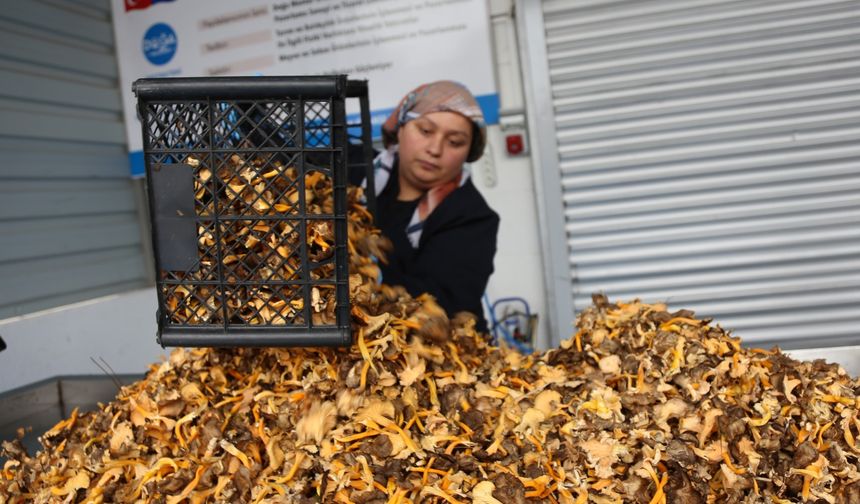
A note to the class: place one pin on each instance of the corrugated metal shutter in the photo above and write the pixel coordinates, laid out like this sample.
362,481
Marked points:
69,212
710,156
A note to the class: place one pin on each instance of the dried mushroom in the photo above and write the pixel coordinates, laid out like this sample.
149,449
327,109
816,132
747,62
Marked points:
259,237
640,405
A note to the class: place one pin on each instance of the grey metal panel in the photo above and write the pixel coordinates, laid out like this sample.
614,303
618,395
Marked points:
58,91
66,276
606,19
42,124
70,215
56,73
603,225
56,235
19,47
25,31
43,109
95,5
36,159
55,299
57,20
709,155
41,199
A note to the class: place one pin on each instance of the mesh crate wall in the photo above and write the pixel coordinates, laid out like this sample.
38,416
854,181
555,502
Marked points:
248,205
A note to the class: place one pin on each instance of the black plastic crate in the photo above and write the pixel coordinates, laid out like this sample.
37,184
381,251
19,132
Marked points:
246,179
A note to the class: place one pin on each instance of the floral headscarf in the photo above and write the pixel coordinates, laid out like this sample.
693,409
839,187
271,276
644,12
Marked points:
441,96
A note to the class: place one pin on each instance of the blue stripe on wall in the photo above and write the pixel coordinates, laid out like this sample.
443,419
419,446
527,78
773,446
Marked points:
135,159
490,106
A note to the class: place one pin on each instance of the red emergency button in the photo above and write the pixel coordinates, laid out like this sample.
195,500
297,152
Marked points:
514,144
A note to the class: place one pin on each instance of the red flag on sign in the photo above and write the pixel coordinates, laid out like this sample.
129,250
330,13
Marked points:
137,4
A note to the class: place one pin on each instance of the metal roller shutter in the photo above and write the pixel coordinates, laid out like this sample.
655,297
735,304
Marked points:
709,155
70,225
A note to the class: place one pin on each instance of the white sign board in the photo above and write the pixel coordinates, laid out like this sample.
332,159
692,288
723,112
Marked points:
395,45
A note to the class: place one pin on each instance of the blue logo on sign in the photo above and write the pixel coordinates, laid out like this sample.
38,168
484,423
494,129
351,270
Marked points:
159,44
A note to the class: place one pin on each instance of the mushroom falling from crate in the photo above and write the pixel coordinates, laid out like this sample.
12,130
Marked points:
247,191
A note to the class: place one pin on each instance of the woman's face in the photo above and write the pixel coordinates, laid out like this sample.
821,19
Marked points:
433,148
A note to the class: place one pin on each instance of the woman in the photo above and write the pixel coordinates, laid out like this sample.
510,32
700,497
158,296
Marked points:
443,232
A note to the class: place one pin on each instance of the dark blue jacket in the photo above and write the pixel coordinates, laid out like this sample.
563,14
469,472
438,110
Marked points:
454,258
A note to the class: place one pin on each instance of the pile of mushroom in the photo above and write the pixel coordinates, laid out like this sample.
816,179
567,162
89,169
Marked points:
640,405
256,221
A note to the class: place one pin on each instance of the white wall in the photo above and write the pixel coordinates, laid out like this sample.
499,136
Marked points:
507,181
518,263
119,329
